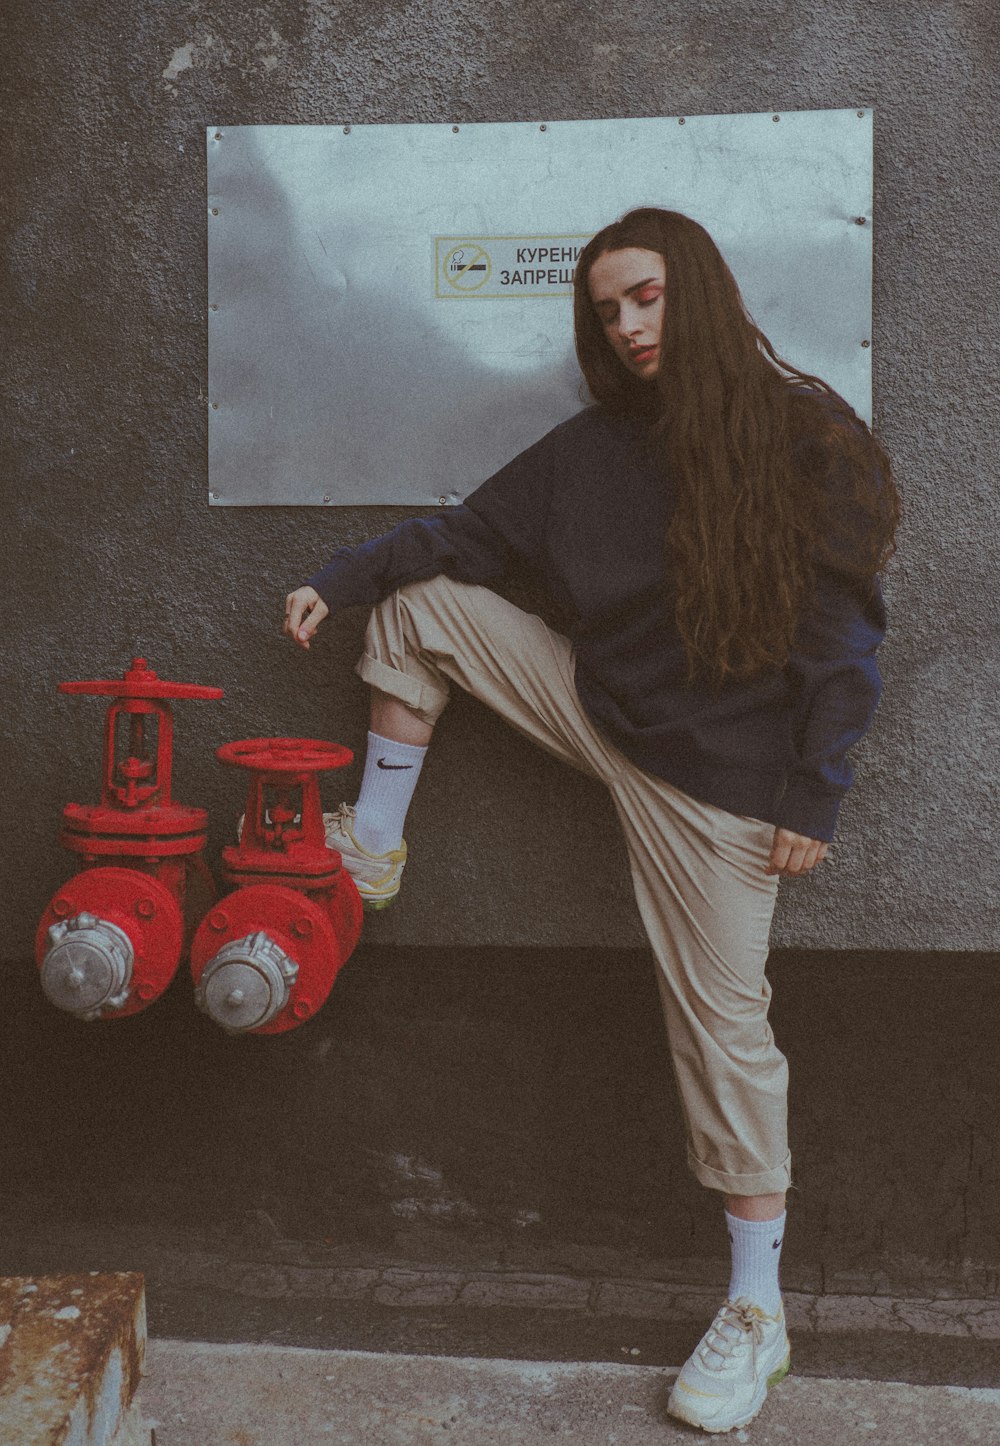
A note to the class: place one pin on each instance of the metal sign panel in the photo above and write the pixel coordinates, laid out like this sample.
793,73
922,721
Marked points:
389,306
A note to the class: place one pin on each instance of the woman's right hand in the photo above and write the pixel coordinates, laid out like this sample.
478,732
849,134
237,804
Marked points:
304,611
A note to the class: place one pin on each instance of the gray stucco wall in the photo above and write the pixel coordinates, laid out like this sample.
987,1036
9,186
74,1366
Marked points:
111,548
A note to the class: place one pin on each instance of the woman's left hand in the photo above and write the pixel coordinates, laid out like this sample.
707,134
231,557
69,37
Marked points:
794,854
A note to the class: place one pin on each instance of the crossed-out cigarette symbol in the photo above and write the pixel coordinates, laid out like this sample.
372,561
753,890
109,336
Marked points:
467,267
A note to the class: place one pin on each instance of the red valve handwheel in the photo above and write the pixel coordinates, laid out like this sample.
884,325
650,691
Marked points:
140,681
285,755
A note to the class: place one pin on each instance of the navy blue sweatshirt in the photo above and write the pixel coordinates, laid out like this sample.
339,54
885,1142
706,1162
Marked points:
584,510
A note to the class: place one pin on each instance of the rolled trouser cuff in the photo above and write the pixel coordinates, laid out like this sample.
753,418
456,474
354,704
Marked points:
760,1182
426,701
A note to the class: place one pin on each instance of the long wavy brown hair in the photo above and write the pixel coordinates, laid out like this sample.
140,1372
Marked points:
775,476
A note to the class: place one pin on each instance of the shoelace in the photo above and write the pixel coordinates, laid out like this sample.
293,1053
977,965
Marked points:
734,1322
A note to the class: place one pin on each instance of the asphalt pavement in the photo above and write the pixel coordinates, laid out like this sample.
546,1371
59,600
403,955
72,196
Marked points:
199,1394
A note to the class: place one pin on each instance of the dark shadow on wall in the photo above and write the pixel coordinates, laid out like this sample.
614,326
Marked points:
499,1108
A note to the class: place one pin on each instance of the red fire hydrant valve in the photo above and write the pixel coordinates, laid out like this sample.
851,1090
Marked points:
109,943
264,959
110,939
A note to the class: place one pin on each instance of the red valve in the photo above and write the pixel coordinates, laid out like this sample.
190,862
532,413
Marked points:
264,960
159,845
137,769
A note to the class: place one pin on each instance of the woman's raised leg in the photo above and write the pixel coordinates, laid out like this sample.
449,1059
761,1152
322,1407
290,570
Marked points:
369,836
419,641
393,720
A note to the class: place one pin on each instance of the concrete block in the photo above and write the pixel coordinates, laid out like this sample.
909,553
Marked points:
71,1354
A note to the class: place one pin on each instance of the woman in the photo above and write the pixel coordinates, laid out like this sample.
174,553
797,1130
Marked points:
714,525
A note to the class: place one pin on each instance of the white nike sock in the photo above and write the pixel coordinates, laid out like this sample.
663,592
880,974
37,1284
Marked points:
756,1247
391,773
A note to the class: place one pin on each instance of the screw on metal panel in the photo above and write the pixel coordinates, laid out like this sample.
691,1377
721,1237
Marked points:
861,115
219,919
62,908
146,909
218,136
680,120
347,130
859,220
302,1008
214,306
215,406
454,130
776,117
866,343
215,496
215,210
443,501
327,497
543,128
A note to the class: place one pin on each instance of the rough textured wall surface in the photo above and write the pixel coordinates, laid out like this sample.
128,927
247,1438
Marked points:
111,548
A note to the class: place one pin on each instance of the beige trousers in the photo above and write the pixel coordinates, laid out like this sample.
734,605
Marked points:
698,871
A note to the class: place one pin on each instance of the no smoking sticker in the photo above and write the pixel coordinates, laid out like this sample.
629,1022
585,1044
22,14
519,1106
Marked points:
491,267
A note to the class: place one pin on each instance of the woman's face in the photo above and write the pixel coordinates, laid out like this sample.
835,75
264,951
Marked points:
627,291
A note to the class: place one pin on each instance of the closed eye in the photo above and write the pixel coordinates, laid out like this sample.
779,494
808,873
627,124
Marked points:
645,293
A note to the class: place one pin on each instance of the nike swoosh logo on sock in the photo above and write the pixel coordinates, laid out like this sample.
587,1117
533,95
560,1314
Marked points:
776,1243
382,764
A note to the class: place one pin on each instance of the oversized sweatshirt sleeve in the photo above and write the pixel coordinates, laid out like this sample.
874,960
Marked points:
499,527
834,677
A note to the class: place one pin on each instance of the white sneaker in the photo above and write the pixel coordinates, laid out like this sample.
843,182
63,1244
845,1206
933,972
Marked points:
377,876
723,1384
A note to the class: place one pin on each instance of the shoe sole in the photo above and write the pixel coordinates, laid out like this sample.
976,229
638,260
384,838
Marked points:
780,1373
375,906
773,1379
